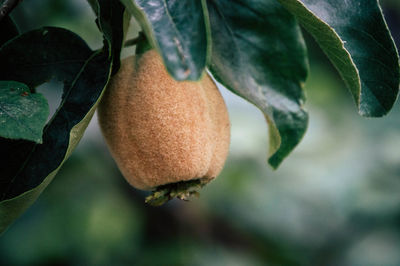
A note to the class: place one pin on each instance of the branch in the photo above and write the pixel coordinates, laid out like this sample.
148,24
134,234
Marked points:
131,42
135,41
7,7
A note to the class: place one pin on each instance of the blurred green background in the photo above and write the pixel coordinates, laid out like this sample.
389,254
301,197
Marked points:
334,201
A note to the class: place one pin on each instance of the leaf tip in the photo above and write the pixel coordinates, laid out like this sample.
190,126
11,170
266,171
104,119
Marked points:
274,162
372,111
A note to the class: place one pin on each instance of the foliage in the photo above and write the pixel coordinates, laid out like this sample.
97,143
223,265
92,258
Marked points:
25,114
255,48
33,58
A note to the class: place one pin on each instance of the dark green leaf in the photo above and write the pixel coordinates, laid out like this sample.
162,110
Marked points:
34,58
355,37
178,30
259,53
22,114
37,56
143,44
8,30
111,24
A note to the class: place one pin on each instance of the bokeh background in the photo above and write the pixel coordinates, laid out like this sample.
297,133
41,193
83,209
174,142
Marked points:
334,201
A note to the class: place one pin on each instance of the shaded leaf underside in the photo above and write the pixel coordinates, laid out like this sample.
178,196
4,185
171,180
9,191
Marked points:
355,37
258,52
110,20
34,58
58,53
8,30
178,30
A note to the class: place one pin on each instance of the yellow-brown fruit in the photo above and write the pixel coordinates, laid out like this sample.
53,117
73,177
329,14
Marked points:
161,131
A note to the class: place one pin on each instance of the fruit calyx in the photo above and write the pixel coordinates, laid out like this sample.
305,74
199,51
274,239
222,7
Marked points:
184,190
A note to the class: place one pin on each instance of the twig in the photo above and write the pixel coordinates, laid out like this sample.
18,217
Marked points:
134,41
131,42
7,7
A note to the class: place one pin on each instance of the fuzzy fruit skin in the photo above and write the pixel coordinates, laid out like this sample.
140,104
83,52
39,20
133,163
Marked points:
162,131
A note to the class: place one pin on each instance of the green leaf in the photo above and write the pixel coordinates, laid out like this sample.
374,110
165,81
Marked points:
23,114
114,28
178,30
39,55
355,37
34,58
259,53
11,209
143,44
8,30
